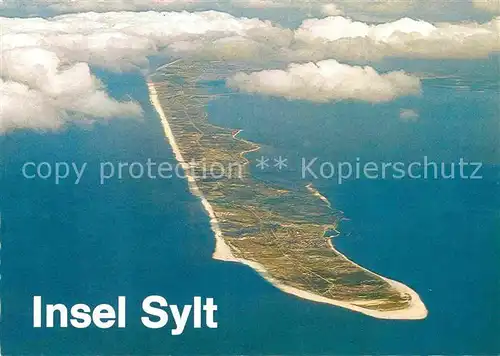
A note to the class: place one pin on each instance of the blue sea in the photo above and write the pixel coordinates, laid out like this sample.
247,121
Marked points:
90,243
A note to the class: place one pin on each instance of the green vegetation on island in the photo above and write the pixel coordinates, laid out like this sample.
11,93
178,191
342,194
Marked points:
284,230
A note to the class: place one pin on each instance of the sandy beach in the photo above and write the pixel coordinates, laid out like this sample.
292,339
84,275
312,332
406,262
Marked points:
416,310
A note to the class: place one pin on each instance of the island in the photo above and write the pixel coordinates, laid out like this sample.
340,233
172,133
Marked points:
283,233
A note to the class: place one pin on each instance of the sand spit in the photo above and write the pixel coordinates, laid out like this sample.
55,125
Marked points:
416,310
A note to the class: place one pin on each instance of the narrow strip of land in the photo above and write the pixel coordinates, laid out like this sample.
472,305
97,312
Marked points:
279,232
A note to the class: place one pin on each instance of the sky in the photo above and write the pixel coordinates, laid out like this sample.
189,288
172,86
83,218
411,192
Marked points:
327,50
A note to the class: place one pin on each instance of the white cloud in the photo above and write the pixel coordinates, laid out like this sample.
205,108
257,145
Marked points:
331,10
408,115
46,62
341,37
371,10
125,39
328,80
36,92
338,27
488,5
66,46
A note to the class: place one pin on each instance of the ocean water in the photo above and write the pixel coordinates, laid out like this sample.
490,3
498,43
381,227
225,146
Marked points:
91,243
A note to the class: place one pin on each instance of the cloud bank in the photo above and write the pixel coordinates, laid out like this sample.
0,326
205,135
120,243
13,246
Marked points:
341,37
43,56
326,81
37,92
125,39
46,62
331,10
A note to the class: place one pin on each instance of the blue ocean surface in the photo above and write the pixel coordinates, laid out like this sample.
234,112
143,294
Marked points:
90,243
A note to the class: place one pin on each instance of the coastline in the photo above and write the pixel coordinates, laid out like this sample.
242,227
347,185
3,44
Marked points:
316,193
416,310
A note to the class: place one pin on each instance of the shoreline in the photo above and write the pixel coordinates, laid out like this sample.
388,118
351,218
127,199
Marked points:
416,310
